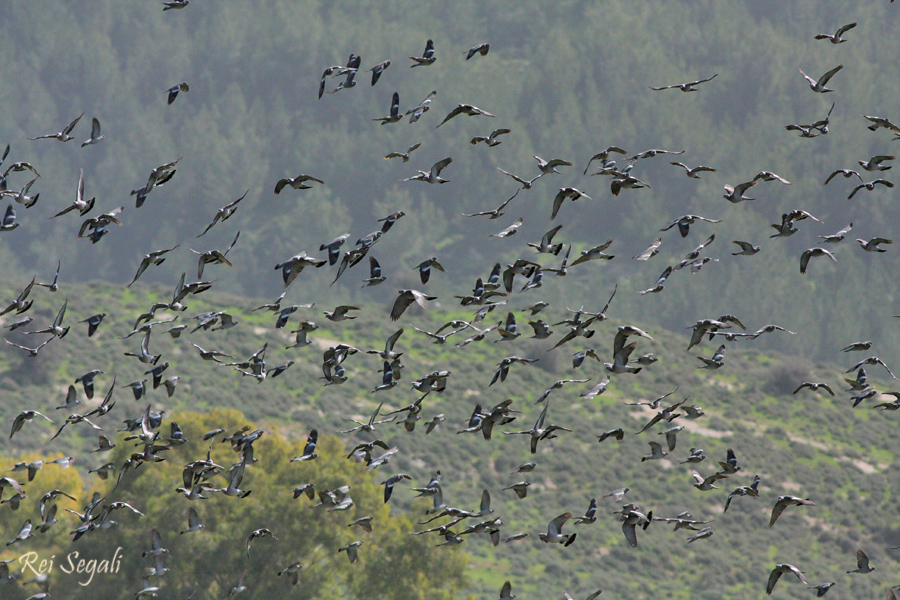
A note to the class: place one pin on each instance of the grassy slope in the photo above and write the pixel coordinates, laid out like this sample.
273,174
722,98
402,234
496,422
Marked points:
808,445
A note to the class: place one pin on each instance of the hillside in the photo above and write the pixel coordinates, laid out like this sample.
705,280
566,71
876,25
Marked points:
808,444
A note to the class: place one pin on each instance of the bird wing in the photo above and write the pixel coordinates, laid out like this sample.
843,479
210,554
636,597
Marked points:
155,539
439,166
71,125
798,573
808,78
516,177
17,424
374,268
596,390
823,80
630,534
778,177
774,576
558,162
456,111
510,325
804,259
404,299
833,173
420,298
478,111
845,230
389,345
777,510
395,99
699,81
619,342
743,187
485,506
281,183
557,201
540,422
665,275
555,526
387,379
646,254
728,502
62,313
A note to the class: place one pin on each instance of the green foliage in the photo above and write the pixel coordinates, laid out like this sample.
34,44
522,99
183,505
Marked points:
215,558
806,444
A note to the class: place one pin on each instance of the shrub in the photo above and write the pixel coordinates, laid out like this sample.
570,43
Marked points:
784,378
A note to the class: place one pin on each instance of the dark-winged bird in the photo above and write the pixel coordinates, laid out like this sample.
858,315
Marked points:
481,49
427,57
780,570
691,86
173,91
405,298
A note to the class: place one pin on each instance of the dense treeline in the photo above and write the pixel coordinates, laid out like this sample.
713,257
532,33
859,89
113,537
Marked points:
567,82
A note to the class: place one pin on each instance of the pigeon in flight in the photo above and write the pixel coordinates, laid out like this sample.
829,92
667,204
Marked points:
862,564
224,213
434,174
80,204
811,253
427,57
819,85
836,38
691,86
96,136
393,117
377,70
465,109
780,570
403,155
63,135
490,139
181,87
481,49
417,111
298,182
554,531
785,501
692,172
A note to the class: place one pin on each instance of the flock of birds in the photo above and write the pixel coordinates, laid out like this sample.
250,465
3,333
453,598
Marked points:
490,294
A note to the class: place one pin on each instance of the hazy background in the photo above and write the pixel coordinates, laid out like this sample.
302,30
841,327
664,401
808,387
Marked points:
568,80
